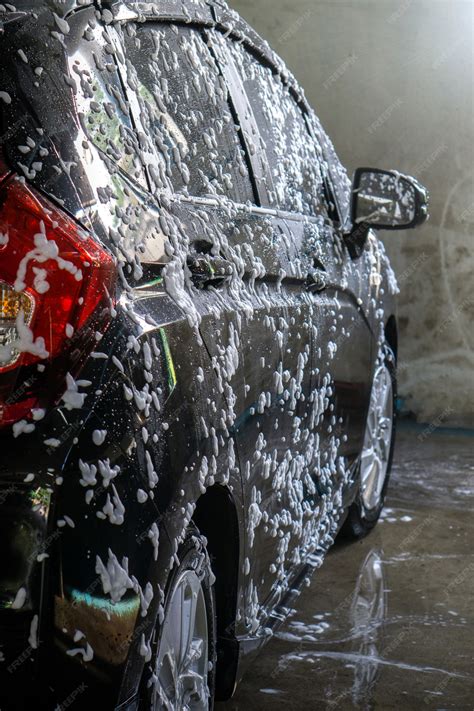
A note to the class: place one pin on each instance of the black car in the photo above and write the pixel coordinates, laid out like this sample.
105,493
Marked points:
198,342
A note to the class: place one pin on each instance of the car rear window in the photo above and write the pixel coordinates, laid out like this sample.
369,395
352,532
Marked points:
293,156
101,102
185,109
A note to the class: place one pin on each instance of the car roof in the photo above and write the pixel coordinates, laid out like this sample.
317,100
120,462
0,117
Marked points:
64,7
207,12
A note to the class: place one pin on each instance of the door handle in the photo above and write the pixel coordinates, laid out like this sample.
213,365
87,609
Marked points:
207,271
317,278
317,281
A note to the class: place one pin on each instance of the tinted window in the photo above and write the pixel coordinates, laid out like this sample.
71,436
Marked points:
290,149
185,109
101,103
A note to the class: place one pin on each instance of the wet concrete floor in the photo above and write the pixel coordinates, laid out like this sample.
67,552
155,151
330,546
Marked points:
387,623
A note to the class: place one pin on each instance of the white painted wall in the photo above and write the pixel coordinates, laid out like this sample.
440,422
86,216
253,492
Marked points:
392,81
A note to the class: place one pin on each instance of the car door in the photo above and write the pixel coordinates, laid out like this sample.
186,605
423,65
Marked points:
354,337
343,339
278,443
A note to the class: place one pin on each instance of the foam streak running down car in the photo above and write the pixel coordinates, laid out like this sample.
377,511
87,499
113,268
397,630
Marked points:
198,345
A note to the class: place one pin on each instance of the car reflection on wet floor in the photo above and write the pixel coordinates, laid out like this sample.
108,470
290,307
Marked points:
387,623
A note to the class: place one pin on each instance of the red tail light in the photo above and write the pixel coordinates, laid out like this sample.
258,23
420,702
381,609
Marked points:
55,282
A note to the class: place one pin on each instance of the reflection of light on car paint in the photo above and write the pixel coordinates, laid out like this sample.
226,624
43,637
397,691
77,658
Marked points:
150,284
172,379
103,127
41,500
173,129
123,608
22,537
175,133
96,616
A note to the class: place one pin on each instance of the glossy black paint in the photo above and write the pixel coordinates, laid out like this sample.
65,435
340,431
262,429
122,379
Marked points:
63,589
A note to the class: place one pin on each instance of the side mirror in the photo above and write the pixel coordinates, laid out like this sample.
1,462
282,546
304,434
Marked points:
387,200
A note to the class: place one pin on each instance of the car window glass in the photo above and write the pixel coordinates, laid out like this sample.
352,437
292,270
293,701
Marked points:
185,111
101,104
290,149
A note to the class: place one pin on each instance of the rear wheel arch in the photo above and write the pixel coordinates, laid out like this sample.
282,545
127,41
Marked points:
216,518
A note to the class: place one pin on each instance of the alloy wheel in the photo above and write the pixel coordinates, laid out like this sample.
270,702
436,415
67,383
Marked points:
378,439
182,668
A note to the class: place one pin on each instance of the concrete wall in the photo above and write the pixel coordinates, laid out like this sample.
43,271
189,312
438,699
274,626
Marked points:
392,81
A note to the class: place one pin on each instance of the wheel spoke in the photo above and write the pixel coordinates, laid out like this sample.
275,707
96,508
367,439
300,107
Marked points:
368,454
167,681
371,481
196,690
184,635
371,423
192,620
384,448
379,476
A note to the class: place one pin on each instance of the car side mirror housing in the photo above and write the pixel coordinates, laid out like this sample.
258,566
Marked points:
385,200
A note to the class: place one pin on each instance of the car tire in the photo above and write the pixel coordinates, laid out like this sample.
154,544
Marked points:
183,667
379,443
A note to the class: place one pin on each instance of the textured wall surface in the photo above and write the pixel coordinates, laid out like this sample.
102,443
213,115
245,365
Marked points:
392,81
